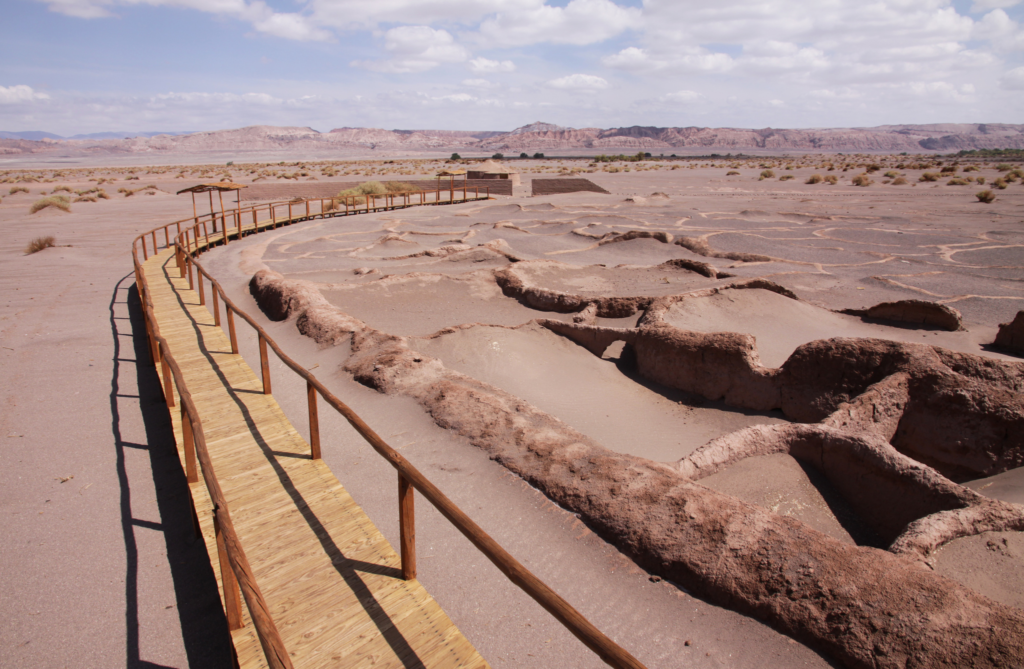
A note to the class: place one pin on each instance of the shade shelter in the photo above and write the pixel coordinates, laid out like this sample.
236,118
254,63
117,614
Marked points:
490,169
220,187
451,174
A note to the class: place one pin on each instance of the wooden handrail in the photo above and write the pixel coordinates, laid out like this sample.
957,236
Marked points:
270,639
409,477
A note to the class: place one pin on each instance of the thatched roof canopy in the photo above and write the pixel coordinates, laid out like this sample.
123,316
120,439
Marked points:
221,186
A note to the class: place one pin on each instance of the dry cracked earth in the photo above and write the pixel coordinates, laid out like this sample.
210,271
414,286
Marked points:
702,381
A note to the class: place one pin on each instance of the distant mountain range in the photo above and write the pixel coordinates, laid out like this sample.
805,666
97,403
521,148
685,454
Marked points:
253,140
37,135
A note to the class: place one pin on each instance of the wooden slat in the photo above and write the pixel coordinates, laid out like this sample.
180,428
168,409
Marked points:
306,539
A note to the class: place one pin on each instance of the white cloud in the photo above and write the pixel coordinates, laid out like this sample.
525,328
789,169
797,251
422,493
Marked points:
1013,80
416,49
579,82
681,59
485,66
985,5
1003,32
257,13
457,97
20,93
477,83
681,96
579,22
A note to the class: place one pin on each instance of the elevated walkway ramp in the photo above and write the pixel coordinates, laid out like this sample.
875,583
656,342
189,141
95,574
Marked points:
332,582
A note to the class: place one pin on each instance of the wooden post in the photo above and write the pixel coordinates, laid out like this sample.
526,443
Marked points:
154,242
231,329
206,234
289,212
195,214
224,227
216,307
232,595
181,261
168,382
307,208
191,284
407,525
254,223
190,446
145,256
167,238
264,365
202,293
314,422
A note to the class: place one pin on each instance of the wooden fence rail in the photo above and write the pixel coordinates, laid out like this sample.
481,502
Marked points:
188,243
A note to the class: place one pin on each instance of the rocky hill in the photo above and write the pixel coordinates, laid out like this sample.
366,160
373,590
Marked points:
539,136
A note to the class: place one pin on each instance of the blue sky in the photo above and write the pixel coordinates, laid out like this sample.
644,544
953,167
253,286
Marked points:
83,66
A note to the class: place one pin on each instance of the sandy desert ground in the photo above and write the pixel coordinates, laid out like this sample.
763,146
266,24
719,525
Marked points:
99,569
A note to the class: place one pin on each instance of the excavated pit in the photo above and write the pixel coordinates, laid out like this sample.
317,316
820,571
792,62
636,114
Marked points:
787,460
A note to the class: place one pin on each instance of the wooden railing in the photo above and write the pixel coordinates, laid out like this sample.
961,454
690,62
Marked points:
188,243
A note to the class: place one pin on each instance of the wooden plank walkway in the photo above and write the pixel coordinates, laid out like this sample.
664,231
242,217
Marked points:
332,582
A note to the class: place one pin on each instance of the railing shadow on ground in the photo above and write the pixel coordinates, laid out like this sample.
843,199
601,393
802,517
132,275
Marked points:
203,627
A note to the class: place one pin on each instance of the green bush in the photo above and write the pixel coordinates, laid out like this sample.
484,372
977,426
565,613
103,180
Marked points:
767,174
455,156
538,156
498,156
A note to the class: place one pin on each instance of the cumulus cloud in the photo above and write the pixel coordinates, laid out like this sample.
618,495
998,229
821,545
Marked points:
416,49
21,93
679,59
257,13
485,66
985,5
681,96
579,82
1013,80
477,83
579,22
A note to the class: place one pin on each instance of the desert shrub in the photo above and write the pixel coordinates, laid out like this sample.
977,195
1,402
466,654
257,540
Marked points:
831,180
455,156
498,156
891,174
1004,167
767,174
62,202
66,189
730,173
523,155
102,194
538,155
17,189
85,198
999,183
872,168
1010,177
40,243
957,181
398,187
948,169
786,177
985,196
929,176
971,168
899,181
813,179
980,180
862,180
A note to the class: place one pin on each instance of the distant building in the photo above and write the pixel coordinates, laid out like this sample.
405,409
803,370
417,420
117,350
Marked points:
492,170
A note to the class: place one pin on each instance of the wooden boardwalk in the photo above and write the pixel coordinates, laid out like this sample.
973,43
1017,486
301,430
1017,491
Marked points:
333,584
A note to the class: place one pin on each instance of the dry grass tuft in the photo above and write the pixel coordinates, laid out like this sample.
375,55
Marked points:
929,176
1000,183
831,180
17,189
862,180
398,187
957,181
40,243
813,179
62,202
730,173
985,196
786,177
767,174
899,181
